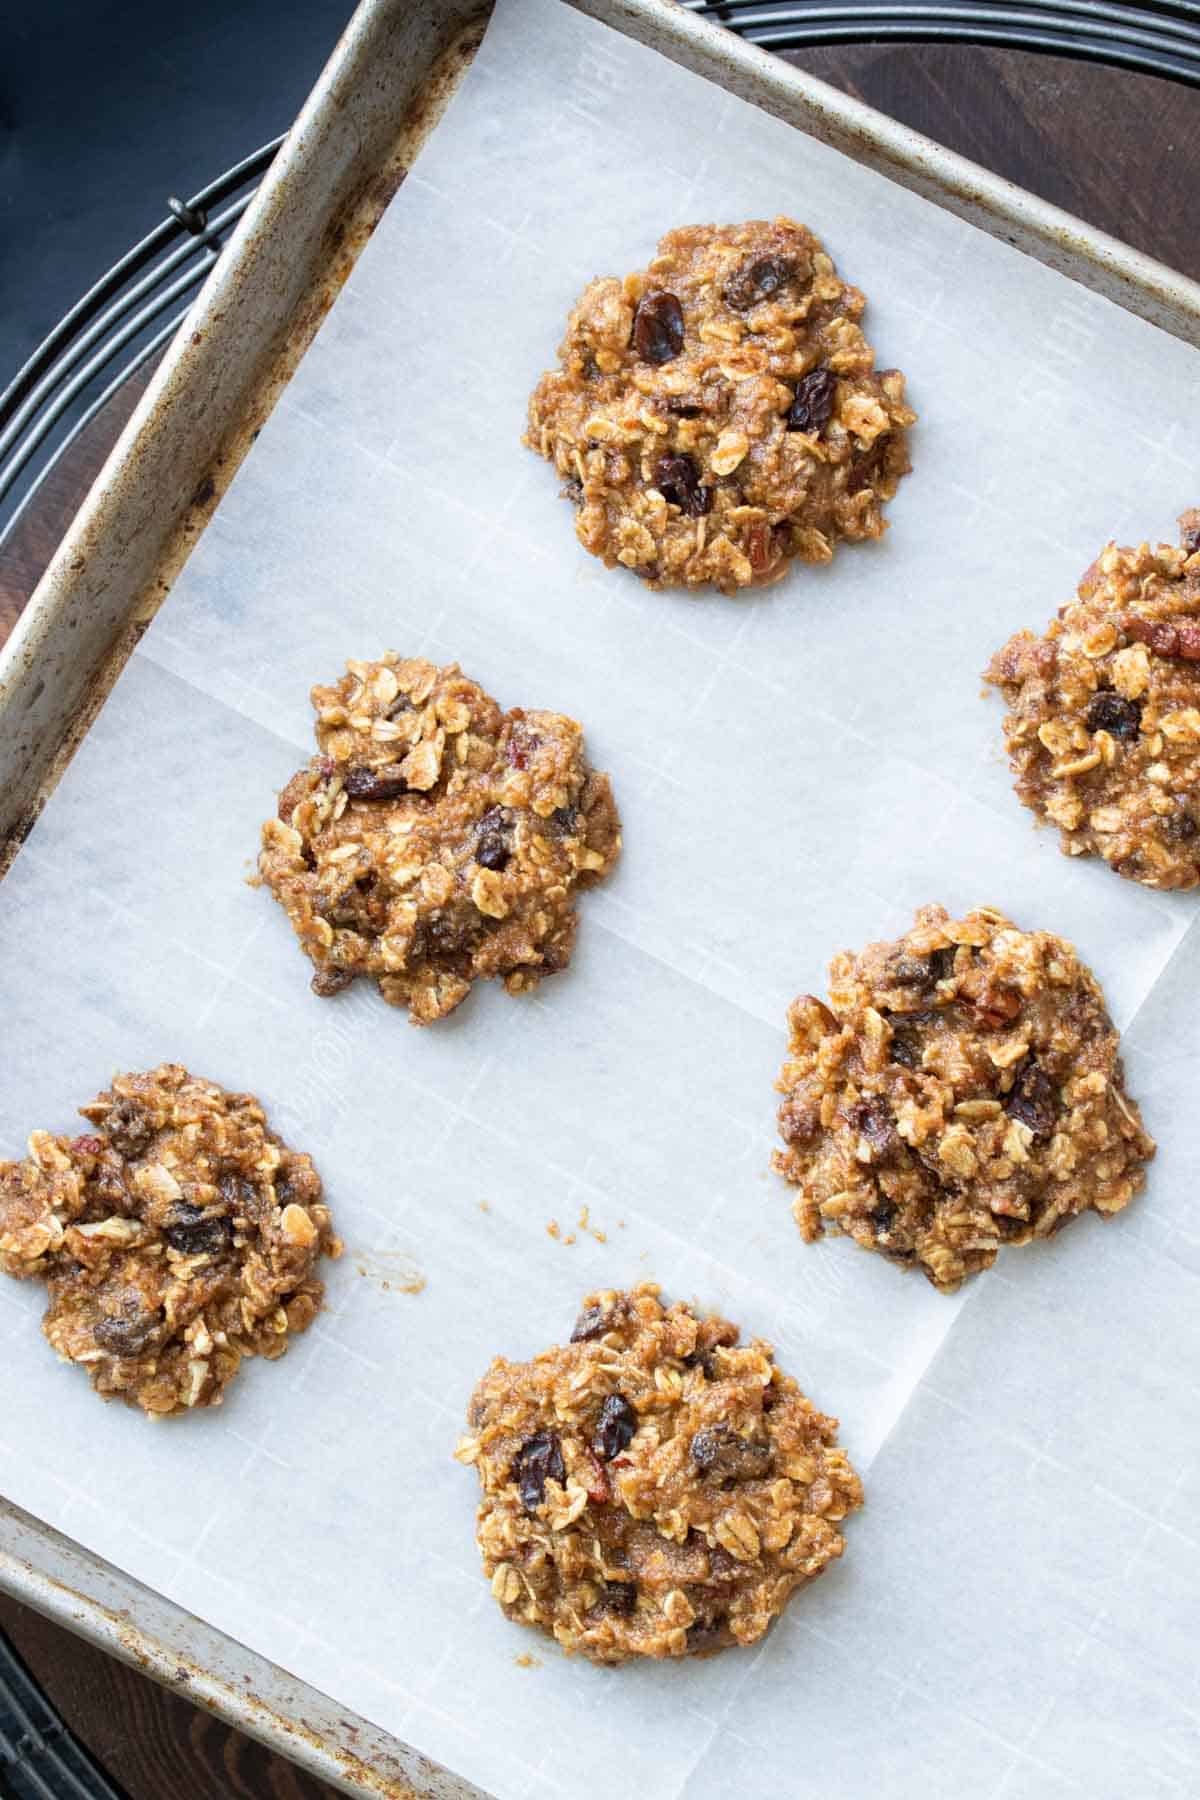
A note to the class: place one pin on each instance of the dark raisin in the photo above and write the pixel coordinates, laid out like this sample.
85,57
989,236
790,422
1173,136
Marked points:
904,1051
400,705
865,466
812,403
883,1216
682,409
566,820
573,491
492,852
941,962
128,1128
873,1119
1031,1099
592,1322
615,1429
759,279
1180,826
705,1636
538,1461
188,1230
1111,712
327,982
721,1452
658,328
362,783
702,1359
678,481
128,1335
619,1597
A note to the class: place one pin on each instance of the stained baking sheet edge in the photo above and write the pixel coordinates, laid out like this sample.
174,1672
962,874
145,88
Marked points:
396,62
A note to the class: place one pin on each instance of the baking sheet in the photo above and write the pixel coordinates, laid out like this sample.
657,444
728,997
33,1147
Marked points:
797,770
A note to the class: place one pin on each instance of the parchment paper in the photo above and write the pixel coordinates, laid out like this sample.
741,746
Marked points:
797,770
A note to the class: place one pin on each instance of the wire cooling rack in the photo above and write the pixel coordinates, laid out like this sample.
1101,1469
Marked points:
133,310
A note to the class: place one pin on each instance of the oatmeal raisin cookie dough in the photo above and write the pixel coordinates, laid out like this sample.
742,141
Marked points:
718,415
435,840
175,1237
1103,727
654,1487
961,1091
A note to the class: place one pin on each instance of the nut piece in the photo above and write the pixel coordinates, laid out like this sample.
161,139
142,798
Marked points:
212,1258
436,841
963,1091
654,1487
718,416
1103,727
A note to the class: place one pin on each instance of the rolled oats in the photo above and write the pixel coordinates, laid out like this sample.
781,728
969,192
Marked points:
718,415
961,1091
1103,729
653,1488
175,1238
446,851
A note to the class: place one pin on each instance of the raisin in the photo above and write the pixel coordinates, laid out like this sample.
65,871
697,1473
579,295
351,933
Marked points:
538,1461
492,852
128,1335
721,1452
362,783
616,1427
1180,826
566,820
922,971
1031,1099
400,705
705,1636
1111,712
592,1322
327,982
683,409
904,1051
618,1597
865,467
883,1216
678,481
873,1119
812,403
192,1234
128,1128
757,280
658,328
573,491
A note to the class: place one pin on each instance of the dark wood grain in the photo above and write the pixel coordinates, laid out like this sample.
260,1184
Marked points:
154,1744
1120,150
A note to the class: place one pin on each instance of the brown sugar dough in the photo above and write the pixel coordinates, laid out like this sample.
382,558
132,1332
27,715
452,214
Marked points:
436,841
961,1091
1104,722
652,1488
718,415
175,1238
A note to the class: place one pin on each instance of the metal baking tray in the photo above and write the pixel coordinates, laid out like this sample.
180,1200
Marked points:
380,97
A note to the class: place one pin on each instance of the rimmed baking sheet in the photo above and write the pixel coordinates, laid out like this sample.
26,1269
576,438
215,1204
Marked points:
797,770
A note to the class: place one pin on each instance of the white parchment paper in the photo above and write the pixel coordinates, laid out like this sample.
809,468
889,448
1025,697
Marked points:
797,770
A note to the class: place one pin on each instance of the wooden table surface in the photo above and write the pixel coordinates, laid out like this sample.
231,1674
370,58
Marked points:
1120,150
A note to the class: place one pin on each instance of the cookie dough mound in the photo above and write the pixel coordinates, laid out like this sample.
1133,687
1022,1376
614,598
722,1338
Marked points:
177,1237
717,415
436,841
1104,726
961,1091
652,1488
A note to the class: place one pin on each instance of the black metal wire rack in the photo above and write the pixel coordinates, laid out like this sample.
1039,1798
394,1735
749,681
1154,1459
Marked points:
132,311
39,1759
